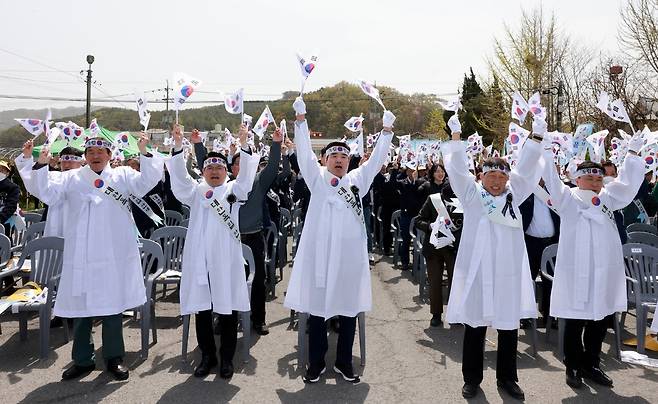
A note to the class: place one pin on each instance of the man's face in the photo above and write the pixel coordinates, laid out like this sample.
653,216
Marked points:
97,158
215,175
69,164
134,164
494,182
590,182
610,171
336,164
235,167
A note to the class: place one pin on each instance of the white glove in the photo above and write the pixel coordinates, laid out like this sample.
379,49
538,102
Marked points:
635,144
539,126
299,106
387,119
454,125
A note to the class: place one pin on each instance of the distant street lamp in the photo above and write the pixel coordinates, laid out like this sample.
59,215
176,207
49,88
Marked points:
90,60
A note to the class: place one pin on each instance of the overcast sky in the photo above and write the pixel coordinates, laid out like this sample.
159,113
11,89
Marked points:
414,46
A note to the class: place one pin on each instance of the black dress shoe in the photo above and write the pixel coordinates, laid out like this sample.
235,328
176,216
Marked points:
573,378
262,329
597,376
76,372
525,324
512,389
203,368
119,371
226,369
469,390
347,372
436,321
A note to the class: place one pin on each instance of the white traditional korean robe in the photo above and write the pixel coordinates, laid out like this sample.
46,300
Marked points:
589,281
331,273
213,267
491,285
102,270
54,222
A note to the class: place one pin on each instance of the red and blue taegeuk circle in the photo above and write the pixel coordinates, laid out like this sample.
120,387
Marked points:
209,194
514,139
648,160
124,138
309,68
596,201
34,122
186,91
334,182
99,183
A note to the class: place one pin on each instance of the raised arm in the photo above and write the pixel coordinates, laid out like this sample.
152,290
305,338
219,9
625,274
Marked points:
141,182
269,173
245,179
182,185
364,175
43,187
620,192
308,164
525,176
454,159
558,190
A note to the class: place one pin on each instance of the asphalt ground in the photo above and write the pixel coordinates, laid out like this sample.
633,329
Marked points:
407,362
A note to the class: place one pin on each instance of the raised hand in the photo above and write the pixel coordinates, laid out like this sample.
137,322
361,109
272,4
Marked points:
242,134
195,137
27,148
44,155
178,136
277,136
143,142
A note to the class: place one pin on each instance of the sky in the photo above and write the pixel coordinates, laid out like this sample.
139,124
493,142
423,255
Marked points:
411,45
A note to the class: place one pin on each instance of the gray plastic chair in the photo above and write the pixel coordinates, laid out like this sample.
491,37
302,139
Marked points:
46,260
422,264
172,241
5,251
244,318
152,267
548,259
640,237
185,223
172,218
32,217
397,236
185,211
297,226
640,261
271,248
302,339
647,228
34,230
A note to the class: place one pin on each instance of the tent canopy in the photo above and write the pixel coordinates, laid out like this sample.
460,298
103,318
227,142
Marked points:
130,150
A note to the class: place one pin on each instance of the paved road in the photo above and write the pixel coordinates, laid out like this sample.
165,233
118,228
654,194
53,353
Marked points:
407,362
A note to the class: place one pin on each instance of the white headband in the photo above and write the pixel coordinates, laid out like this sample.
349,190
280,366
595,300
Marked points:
337,149
589,171
214,161
102,143
70,157
495,167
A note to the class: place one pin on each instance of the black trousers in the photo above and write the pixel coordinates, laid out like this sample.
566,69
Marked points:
473,354
256,242
387,211
535,247
318,345
582,350
437,260
206,338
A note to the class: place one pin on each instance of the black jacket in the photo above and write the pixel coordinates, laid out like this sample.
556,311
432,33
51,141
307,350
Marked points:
527,209
9,195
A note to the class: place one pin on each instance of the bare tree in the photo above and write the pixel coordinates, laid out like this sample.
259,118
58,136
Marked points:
638,34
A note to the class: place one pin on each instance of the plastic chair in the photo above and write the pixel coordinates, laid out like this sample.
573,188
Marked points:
185,223
302,339
46,260
245,316
185,211
172,218
642,285
32,217
152,267
284,230
172,241
640,237
271,248
647,228
548,259
397,236
422,264
415,250
380,229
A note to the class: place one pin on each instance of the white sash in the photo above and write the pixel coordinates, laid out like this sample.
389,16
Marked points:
144,207
592,201
495,213
643,213
545,197
443,224
224,215
158,201
352,202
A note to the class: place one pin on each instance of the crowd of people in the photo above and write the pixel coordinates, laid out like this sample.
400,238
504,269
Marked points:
485,227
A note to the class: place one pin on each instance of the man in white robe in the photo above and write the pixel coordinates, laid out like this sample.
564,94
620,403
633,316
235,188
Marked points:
491,284
69,159
589,284
331,276
213,278
101,271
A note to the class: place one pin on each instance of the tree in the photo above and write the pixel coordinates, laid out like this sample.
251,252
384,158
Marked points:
435,124
638,33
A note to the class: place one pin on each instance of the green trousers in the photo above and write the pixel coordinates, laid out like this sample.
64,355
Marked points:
83,343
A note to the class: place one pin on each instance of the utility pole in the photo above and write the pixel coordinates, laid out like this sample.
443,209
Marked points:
90,60
560,106
166,119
